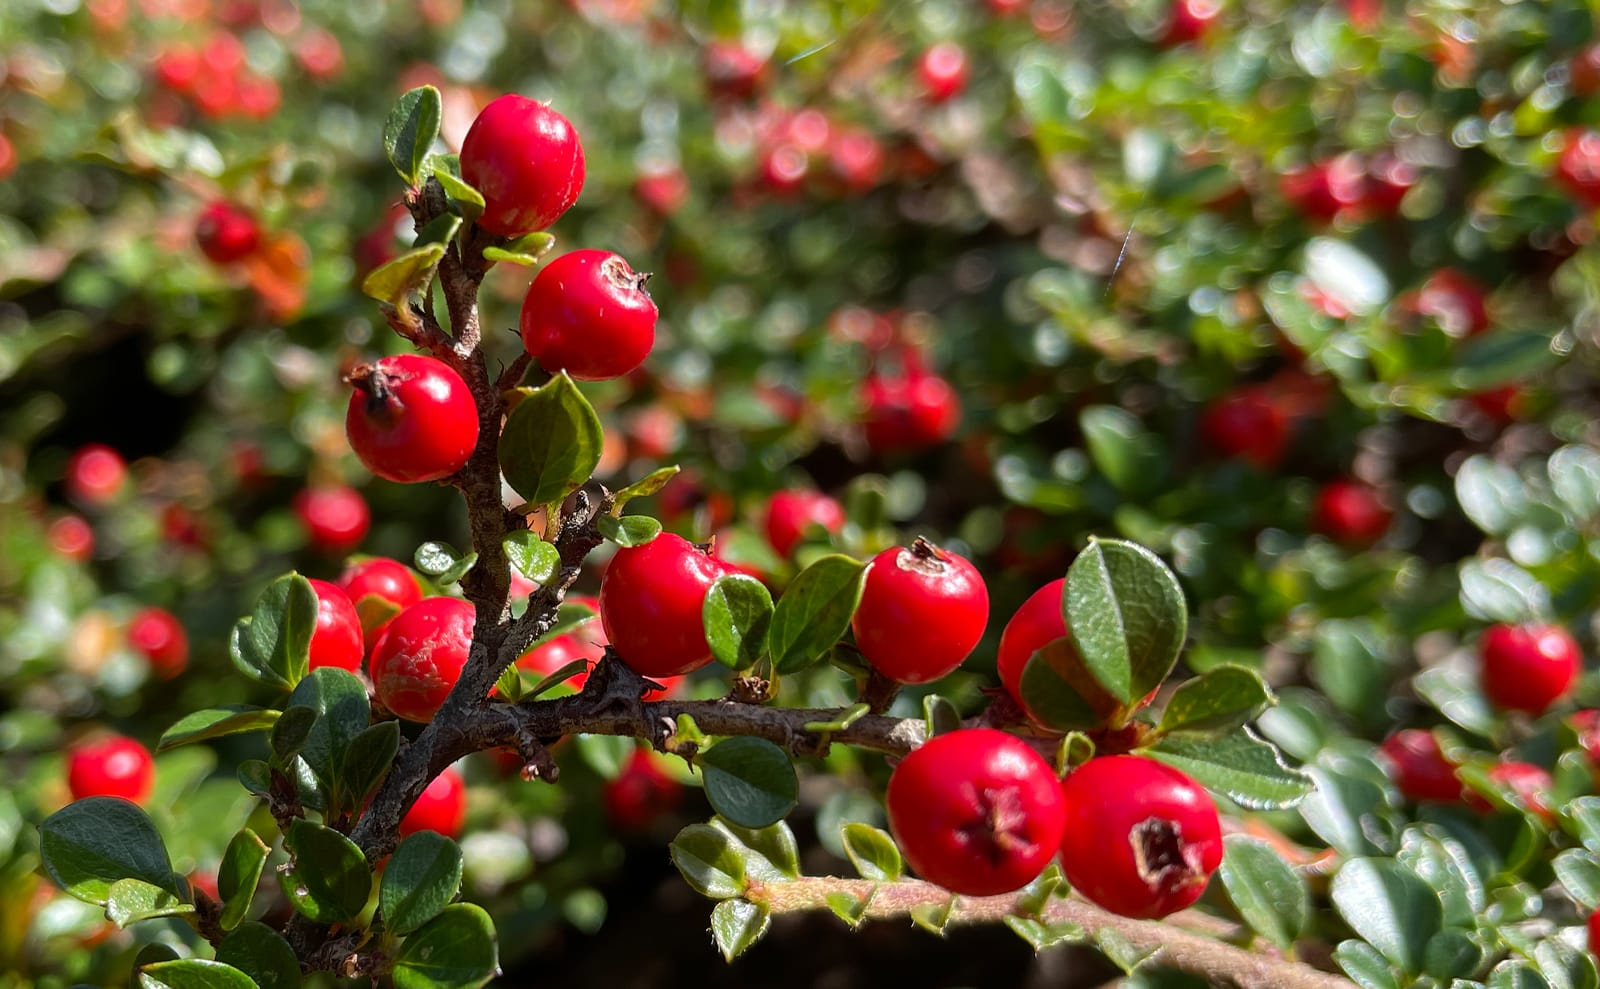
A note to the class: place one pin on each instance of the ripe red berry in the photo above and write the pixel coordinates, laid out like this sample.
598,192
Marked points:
95,474
663,189
1389,179
1583,72
1528,667
1246,425
526,160
379,588
441,807
420,655
922,611
227,233
336,640
1578,167
1454,300
1036,624
943,70
1419,768
976,811
111,766
1594,933
71,537
1350,512
1321,190
1190,21
908,413
650,602
411,418
856,158
734,71
156,634
641,793
335,517
1141,839
587,314
792,514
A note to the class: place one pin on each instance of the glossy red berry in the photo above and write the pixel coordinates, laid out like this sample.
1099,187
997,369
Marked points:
336,640
441,807
411,418
1246,425
976,811
908,413
1389,179
922,611
650,603
1419,768
943,70
1578,167
641,794
526,160
420,655
1038,622
791,515
1350,512
156,634
587,314
110,766
663,189
1141,839
335,517
95,475
1528,667
227,232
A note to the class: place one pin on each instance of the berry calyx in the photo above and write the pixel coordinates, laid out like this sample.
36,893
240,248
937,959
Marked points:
110,766
976,811
526,160
1528,667
335,517
922,611
1350,512
1246,425
1419,767
441,807
411,418
651,599
336,639
792,514
1141,839
156,634
227,232
95,475
420,655
587,314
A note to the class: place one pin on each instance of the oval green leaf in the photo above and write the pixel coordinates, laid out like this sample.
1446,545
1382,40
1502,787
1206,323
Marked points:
643,487
328,880
261,953
343,713
534,558
629,530
395,281
1127,615
737,616
1217,701
410,130
239,875
215,722
273,645
422,877
872,852
815,611
455,950
550,444
367,760
737,924
1270,896
90,844
711,860
193,973
749,781
1390,908
132,900
1240,766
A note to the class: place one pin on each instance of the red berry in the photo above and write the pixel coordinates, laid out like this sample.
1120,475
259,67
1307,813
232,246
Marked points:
420,655
1246,425
526,160
1190,21
1528,667
793,514
663,189
734,71
112,766
335,517
641,793
1594,933
922,611
1324,189
178,69
1036,624
95,474
1586,724
856,158
1454,301
441,807
1501,405
156,634
1419,768
976,811
1583,72
1530,785
650,602
908,413
1141,839
943,70
783,169
1578,167
227,233
411,418
1390,178
71,537
587,313
1350,512
389,584
336,641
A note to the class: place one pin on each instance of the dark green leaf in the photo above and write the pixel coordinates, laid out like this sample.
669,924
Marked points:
261,953
711,861
455,950
1041,935
1240,766
550,443
534,558
343,712
193,973
643,487
872,852
1453,954
215,722
629,530
749,781
467,201
367,760
273,645
1127,616
1217,701
256,776
155,951
439,230
939,714
1580,874
91,843
290,732
238,876
815,612
328,880
1062,693
525,250
1365,965
422,877
737,614
410,131
394,281
737,924
1389,907
129,901
1270,896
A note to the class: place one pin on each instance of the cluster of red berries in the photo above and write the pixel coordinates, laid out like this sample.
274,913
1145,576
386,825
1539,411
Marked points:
215,79
1349,185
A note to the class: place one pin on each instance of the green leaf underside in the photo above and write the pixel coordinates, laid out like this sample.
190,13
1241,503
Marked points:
550,443
89,844
738,617
1127,615
1271,897
1217,701
410,130
1061,691
872,852
749,781
129,901
329,881
238,876
367,760
273,644
737,924
774,843
644,486
1240,766
457,949
422,877
815,612
343,713
710,860
534,558
216,722
395,281
193,973
629,530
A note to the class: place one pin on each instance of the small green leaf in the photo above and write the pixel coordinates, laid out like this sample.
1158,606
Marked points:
367,760
1122,952
261,953
643,487
1270,896
550,443
711,861
238,876
775,843
1041,935
1240,766
559,677
629,530
256,776
815,612
534,558
89,844
933,917
940,715
1127,616
455,950
468,202
1365,965
749,781
1062,693
1390,907
1498,590
129,901
508,687
1575,479
1491,494
410,131
343,712
440,230
872,852
1514,973
290,732
1131,458
1580,874
737,615
328,880
435,558
1217,701
193,973
273,645
1034,897
215,722
1453,954
842,721
395,281
847,907
737,924
422,877
1076,749
526,250
1564,966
